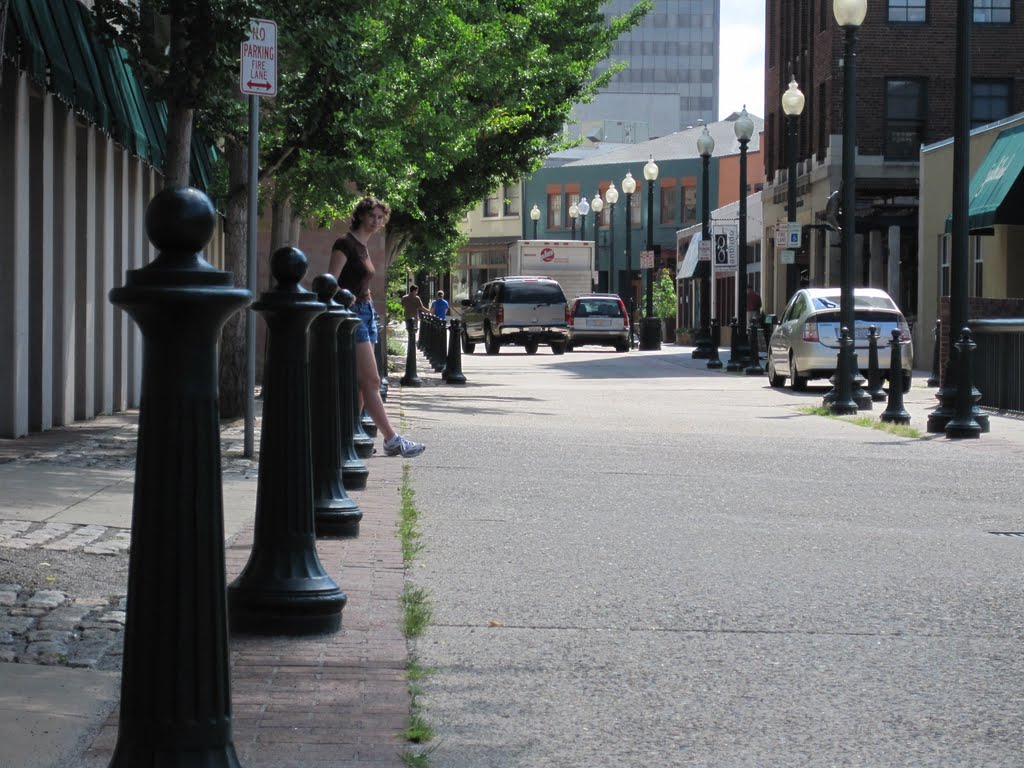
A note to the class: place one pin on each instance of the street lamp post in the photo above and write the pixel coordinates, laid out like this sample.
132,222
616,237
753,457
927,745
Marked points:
584,208
792,106
535,216
574,211
611,196
705,147
628,187
849,15
744,129
597,205
957,414
650,336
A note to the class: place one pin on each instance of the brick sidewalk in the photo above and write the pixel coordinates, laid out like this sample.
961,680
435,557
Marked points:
330,701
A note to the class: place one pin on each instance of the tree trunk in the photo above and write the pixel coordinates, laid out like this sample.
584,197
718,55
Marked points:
179,146
233,394
281,226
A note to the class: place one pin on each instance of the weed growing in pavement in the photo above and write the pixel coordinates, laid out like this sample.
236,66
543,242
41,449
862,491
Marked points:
416,616
900,430
416,610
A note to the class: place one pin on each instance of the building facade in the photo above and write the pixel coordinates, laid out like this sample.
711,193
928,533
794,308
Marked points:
904,98
671,78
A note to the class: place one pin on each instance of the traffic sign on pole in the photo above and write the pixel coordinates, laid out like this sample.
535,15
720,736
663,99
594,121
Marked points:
258,74
646,259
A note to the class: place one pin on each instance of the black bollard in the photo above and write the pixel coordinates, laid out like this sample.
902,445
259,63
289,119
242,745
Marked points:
353,471
335,513
754,361
735,363
964,424
380,350
175,705
283,589
933,380
874,389
361,441
716,339
894,412
453,369
409,378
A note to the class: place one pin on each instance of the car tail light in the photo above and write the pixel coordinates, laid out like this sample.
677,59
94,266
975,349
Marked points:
499,316
904,330
570,314
810,331
625,314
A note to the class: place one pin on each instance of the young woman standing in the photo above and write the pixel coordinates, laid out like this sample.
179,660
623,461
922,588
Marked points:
351,264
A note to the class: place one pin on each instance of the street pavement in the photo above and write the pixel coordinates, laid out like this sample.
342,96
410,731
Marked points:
636,561
633,561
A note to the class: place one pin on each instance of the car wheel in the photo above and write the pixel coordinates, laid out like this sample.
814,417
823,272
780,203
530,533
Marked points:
774,379
467,345
622,347
558,347
568,347
490,343
797,382
531,347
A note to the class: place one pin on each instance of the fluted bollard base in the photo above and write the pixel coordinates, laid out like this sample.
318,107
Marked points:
410,377
895,413
354,474
175,706
452,373
753,352
338,517
309,607
963,424
716,338
283,588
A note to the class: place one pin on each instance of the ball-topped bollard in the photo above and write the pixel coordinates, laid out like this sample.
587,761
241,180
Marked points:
361,441
894,412
175,707
354,471
335,513
283,589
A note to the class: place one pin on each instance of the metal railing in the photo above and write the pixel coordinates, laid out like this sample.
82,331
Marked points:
999,363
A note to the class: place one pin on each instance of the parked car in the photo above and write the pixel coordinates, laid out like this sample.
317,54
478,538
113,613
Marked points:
523,310
805,343
599,318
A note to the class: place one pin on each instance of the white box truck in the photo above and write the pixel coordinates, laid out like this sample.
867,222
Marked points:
570,262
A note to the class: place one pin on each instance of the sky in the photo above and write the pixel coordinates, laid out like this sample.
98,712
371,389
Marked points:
741,58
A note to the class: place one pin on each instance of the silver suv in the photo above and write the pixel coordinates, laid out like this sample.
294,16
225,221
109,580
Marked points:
523,310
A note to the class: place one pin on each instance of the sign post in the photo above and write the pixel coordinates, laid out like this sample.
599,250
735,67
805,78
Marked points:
257,77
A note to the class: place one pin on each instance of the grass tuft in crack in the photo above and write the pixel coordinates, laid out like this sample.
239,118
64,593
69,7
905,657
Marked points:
416,617
900,430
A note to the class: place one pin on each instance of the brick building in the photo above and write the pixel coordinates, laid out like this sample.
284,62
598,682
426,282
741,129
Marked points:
905,92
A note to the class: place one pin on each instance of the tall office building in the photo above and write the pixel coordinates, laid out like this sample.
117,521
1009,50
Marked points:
671,81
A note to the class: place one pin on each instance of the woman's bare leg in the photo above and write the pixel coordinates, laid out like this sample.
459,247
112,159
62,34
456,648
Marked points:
368,382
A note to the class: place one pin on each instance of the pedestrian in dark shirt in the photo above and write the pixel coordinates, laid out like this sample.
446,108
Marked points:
352,265
412,306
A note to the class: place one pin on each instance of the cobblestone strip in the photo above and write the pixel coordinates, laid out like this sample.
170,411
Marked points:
40,536
48,627
11,528
91,539
78,538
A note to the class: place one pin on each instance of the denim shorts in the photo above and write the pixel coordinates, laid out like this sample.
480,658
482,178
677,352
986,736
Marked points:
367,330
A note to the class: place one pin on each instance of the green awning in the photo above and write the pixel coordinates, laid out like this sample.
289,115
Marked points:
996,190
55,42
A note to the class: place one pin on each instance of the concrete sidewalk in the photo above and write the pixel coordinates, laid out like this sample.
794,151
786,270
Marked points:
335,700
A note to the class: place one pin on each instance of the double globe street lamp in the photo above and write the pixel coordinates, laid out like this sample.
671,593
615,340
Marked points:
849,16
792,107
597,205
535,217
650,336
574,211
584,208
611,196
628,188
705,148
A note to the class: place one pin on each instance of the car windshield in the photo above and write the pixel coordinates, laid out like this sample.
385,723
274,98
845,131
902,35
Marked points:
534,293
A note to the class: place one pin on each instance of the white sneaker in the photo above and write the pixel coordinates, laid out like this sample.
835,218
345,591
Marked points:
401,446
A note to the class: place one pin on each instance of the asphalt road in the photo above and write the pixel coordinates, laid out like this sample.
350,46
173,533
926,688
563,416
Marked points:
638,562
